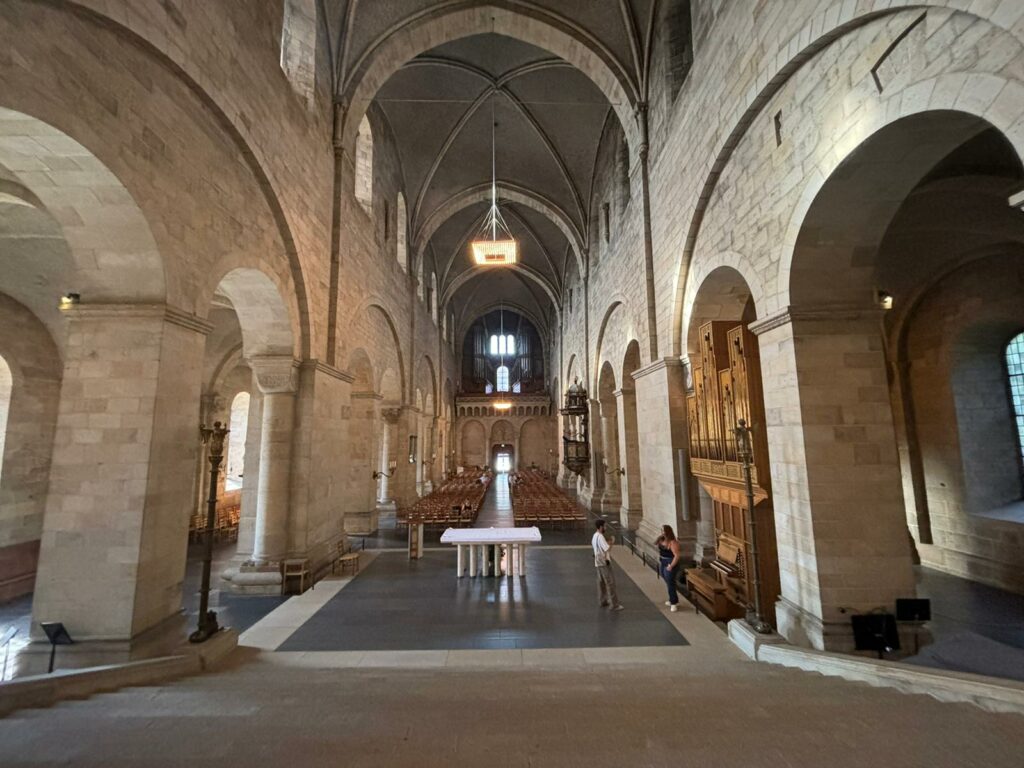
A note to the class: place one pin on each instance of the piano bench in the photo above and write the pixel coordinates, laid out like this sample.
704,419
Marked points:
710,595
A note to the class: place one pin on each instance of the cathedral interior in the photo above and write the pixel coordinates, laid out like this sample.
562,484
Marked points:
330,330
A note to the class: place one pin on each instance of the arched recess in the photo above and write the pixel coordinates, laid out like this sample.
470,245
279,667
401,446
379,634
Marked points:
606,432
473,444
718,293
629,439
617,326
361,370
431,27
238,423
513,193
534,444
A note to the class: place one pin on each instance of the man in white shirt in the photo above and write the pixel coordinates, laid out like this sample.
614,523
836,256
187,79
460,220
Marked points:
606,591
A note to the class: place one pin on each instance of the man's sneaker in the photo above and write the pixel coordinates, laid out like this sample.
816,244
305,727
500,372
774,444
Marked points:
618,607
674,608
668,602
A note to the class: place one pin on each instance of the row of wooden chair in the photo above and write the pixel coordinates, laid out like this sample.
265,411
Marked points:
455,504
225,528
536,500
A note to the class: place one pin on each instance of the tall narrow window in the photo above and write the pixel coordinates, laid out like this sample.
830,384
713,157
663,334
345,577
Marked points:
364,166
433,295
400,233
510,345
502,376
494,344
1015,373
236,441
6,388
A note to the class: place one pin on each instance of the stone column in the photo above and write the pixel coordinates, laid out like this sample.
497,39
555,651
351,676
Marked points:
361,509
403,483
115,532
276,378
591,485
631,509
837,492
611,498
389,418
663,453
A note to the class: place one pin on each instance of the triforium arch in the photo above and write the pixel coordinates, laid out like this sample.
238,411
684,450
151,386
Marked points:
430,28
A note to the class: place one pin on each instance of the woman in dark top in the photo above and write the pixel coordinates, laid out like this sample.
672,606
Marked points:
668,554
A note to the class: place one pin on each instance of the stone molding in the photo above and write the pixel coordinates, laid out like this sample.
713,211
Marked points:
657,365
618,394
164,312
329,370
274,374
824,313
366,396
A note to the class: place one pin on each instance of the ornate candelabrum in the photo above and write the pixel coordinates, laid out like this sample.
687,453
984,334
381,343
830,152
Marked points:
213,437
745,453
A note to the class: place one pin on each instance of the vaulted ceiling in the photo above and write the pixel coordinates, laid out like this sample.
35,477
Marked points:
548,119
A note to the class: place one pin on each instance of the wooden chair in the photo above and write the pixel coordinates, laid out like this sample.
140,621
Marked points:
349,562
295,568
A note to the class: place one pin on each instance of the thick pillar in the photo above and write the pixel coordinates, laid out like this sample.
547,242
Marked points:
839,514
403,483
663,452
276,379
115,531
611,499
631,508
361,510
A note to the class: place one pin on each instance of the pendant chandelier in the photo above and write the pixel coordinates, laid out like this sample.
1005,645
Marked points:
494,244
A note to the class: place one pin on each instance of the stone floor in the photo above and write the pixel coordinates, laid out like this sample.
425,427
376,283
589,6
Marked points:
681,705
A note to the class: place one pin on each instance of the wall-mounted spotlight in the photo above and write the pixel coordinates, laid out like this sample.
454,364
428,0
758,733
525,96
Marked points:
69,300
616,471
885,300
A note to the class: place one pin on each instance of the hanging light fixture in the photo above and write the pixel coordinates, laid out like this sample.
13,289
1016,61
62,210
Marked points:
488,247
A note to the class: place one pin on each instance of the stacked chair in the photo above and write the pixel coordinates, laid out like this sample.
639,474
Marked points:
455,504
536,500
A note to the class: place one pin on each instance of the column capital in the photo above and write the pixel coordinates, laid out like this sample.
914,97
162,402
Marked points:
657,365
391,415
274,374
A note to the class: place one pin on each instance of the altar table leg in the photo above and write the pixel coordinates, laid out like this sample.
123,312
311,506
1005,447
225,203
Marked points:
522,559
472,560
460,562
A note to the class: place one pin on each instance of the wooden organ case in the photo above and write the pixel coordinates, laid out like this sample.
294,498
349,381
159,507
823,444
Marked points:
727,388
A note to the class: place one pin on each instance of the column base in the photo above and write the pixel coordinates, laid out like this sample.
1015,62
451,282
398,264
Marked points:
630,518
257,579
361,523
161,640
386,513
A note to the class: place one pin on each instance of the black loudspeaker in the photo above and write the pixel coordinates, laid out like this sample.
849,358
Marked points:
913,609
875,632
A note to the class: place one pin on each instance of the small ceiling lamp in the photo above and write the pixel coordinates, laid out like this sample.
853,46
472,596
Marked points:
494,244
502,405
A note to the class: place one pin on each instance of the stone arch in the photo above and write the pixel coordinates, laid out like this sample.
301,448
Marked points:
262,313
43,93
111,247
533,444
426,377
429,28
519,267
618,310
839,19
718,293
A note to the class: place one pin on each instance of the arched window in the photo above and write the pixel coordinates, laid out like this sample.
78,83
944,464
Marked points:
1015,374
239,423
503,345
401,225
6,388
510,345
364,166
502,376
433,295
421,287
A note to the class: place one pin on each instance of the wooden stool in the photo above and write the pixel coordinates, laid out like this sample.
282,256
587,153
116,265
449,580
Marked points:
295,568
349,560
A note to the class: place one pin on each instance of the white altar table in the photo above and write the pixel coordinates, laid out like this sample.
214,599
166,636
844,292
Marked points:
473,545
